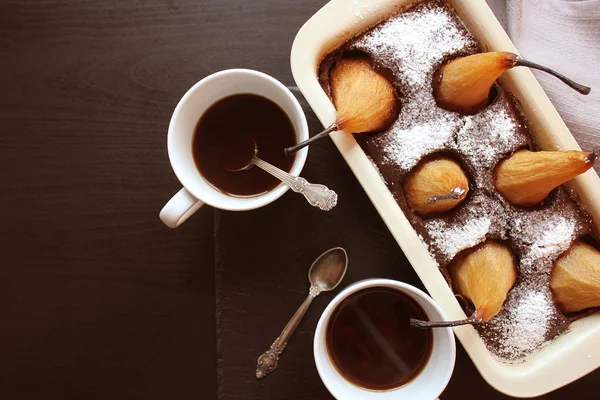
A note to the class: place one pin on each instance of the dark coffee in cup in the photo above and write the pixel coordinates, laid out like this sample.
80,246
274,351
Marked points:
225,138
370,341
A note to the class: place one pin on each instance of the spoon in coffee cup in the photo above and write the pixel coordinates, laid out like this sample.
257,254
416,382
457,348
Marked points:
317,195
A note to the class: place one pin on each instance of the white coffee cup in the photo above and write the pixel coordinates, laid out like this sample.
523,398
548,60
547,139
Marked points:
196,190
428,385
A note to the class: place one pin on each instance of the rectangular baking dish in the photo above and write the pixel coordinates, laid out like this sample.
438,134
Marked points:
571,355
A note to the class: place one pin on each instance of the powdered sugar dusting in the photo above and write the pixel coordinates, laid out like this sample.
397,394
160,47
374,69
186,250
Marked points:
501,136
450,239
527,324
472,224
421,40
543,235
553,240
488,137
408,146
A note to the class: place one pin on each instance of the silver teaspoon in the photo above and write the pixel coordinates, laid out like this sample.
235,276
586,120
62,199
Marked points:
325,274
316,194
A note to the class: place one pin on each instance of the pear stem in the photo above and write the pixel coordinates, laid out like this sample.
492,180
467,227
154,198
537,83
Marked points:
593,156
579,87
472,320
293,149
454,194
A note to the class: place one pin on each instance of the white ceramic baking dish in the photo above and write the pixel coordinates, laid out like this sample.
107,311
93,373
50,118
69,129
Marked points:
571,355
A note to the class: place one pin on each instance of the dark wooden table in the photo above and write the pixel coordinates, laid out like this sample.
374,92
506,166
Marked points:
98,299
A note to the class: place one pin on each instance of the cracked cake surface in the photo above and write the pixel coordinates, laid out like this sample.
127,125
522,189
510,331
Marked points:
409,48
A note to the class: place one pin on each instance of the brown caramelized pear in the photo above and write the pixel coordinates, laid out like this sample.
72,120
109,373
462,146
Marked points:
436,186
484,276
364,99
464,84
526,178
575,279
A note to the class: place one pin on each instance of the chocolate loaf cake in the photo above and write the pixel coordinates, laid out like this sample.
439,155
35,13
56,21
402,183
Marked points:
409,48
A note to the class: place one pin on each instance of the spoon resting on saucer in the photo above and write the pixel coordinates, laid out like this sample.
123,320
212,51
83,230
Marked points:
325,274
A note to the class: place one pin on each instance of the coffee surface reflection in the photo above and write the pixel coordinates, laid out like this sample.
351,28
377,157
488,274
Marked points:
371,343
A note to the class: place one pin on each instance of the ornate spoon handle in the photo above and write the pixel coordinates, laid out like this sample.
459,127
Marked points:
317,195
268,361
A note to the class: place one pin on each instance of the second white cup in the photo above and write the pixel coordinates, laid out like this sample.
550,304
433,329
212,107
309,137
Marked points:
430,382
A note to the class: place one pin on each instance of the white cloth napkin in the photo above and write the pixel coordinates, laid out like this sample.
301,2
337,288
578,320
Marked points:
563,35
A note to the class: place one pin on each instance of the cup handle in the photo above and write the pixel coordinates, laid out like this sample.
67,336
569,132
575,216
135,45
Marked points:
179,208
